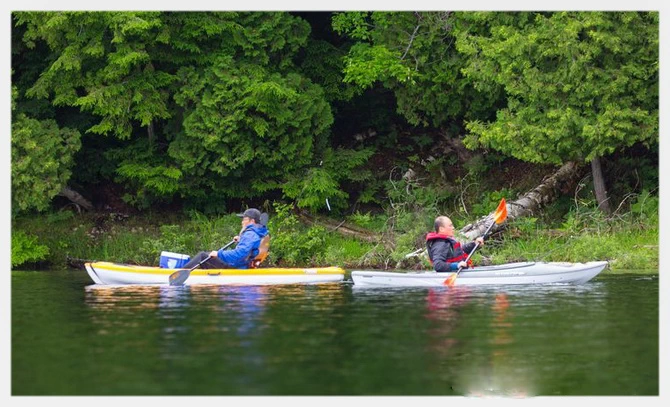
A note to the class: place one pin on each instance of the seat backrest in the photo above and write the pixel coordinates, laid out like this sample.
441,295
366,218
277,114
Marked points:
263,250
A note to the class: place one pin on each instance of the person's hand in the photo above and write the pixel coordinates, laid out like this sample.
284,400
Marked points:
462,265
480,240
213,253
236,239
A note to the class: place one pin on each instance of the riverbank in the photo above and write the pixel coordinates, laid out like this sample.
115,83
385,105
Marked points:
629,243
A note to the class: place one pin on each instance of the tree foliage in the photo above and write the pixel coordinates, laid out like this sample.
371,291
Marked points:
320,187
206,105
42,157
323,64
247,126
413,54
25,249
579,85
101,62
209,107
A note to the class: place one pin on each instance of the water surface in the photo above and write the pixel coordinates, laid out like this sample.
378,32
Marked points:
71,337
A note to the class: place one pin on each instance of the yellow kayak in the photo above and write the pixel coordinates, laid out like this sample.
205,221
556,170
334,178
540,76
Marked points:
117,273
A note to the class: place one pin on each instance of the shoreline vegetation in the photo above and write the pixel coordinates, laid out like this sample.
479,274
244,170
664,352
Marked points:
139,132
628,242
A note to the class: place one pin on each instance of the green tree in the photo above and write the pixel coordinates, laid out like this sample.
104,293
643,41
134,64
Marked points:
320,186
42,157
25,249
579,85
106,65
413,54
206,105
246,128
101,62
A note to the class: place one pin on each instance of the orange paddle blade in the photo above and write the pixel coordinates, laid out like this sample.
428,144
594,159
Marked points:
451,280
501,212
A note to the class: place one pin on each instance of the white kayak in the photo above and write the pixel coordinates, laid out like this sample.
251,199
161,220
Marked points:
116,273
511,273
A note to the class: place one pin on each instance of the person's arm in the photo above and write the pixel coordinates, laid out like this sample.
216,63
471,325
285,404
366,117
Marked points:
241,251
469,247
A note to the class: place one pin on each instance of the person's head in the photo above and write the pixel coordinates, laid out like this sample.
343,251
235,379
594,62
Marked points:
250,216
444,226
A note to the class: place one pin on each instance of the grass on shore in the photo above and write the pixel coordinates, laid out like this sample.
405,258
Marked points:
630,243
626,251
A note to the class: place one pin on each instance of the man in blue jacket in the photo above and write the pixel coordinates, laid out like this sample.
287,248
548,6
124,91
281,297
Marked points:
246,250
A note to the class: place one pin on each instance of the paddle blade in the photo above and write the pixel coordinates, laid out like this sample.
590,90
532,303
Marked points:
179,277
501,212
451,280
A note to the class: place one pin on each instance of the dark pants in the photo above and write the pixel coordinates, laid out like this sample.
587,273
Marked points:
212,263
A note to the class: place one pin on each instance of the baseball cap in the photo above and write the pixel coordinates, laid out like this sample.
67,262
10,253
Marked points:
251,213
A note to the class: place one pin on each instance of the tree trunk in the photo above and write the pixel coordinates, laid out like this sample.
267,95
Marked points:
76,198
150,133
550,188
599,187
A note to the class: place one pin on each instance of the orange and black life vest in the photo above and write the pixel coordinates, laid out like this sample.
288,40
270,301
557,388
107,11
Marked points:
455,252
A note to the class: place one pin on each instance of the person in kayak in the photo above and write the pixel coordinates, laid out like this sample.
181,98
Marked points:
243,254
445,252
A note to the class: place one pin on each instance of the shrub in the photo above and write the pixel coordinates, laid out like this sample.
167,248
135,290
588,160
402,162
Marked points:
292,243
26,249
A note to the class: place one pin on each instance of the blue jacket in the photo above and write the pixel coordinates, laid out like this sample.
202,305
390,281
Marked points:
246,249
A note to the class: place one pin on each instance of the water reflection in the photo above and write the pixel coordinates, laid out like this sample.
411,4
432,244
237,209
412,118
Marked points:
498,374
599,338
505,365
189,328
114,297
119,297
171,303
468,337
442,308
234,315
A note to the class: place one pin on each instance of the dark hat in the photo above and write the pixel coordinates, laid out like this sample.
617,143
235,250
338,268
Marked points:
251,213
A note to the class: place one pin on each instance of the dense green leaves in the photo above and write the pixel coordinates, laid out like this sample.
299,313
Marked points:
42,156
319,187
368,64
26,249
413,54
206,107
101,62
579,85
225,111
323,64
247,126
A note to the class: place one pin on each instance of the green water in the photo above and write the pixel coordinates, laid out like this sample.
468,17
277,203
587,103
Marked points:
70,337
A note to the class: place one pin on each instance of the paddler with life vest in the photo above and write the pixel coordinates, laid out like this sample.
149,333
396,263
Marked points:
446,253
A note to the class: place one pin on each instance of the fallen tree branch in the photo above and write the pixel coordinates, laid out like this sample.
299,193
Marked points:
341,227
76,198
549,189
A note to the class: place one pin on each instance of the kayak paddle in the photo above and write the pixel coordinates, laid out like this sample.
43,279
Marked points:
499,216
180,276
